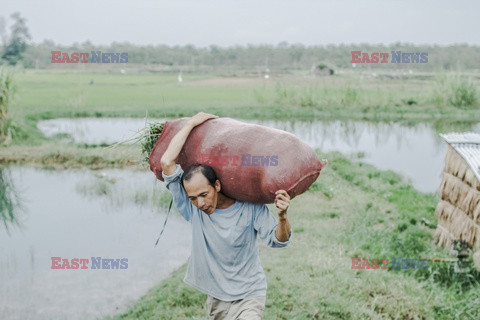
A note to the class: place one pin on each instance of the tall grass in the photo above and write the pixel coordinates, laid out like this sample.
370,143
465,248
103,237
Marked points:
7,90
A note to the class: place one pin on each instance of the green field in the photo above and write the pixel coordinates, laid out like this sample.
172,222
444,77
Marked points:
47,94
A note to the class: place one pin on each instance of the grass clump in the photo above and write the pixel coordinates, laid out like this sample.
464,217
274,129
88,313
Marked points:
463,95
149,138
455,91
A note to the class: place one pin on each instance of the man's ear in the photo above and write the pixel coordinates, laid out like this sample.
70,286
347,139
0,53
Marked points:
218,185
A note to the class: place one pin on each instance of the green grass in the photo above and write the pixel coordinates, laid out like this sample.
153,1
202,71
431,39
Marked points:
56,155
46,94
368,213
53,94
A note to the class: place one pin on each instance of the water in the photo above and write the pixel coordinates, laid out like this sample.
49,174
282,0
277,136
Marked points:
78,214
416,152
94,130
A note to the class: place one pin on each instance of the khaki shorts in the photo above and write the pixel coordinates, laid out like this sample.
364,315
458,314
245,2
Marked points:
245,309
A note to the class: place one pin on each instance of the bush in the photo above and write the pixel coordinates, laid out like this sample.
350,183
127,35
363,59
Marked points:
455,91
464,94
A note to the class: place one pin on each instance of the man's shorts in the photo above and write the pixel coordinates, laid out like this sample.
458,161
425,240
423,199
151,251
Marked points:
245,309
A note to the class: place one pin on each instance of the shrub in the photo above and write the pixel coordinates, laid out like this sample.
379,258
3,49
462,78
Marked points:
463,94
456,91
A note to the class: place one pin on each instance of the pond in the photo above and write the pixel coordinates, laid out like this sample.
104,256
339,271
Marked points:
112,214
416,151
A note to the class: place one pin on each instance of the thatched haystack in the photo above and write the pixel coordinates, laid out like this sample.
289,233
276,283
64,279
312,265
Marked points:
458,210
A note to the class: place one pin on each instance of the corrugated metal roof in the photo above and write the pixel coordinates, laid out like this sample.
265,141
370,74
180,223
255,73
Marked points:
468,146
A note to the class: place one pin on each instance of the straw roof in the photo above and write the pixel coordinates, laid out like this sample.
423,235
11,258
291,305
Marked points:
468,147
458,210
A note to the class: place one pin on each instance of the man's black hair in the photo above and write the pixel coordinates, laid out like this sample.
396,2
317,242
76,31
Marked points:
207,172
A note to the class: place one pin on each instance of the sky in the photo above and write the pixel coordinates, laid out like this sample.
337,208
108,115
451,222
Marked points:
241,22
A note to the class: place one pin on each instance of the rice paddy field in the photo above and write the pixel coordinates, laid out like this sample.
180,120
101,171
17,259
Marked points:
353,210
364,95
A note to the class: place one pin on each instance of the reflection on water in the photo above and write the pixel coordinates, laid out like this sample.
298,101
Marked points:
415,151
115,191
61,220
94,130
10,203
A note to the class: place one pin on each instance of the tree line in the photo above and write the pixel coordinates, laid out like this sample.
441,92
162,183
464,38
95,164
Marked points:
283,56
17,49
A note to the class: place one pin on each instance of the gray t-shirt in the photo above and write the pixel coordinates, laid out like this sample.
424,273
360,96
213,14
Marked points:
224,262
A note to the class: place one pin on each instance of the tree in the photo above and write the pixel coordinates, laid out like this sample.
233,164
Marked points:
18,40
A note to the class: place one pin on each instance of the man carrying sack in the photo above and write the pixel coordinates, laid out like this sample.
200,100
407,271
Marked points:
224,262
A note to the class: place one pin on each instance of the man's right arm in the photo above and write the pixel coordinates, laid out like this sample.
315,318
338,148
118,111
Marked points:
176,144
172,173
180,197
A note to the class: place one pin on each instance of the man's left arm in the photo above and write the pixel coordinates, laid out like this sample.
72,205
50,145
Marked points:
275,234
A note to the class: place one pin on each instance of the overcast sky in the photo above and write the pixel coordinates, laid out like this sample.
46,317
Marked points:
241,22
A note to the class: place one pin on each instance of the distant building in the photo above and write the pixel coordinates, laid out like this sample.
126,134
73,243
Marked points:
322,70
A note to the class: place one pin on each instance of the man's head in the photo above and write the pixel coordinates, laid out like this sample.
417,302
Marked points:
202,187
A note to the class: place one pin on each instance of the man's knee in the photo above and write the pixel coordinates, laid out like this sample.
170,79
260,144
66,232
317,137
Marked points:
248,309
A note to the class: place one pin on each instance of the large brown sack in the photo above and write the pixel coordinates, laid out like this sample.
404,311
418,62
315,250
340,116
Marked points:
297,164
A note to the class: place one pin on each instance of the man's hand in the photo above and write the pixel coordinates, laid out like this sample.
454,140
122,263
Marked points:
200,118
282,202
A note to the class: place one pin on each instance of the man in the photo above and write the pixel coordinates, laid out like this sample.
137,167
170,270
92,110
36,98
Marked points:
224,262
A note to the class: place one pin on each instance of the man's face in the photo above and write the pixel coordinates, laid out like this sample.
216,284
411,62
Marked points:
201,192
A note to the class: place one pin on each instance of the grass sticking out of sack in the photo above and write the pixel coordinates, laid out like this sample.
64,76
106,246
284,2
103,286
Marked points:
149,137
